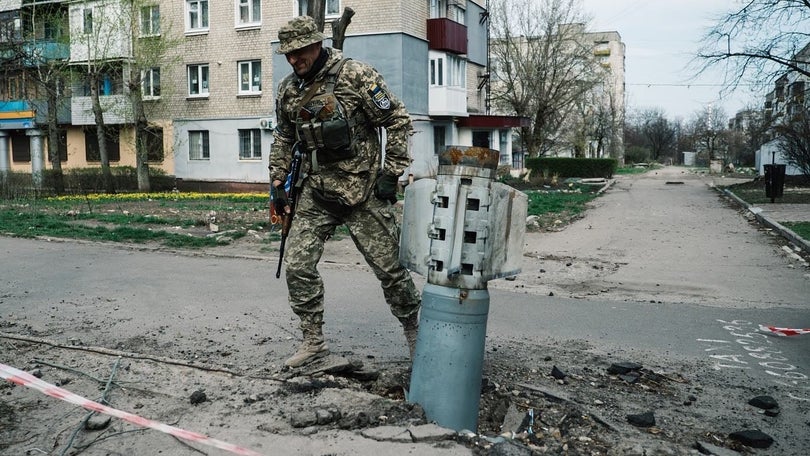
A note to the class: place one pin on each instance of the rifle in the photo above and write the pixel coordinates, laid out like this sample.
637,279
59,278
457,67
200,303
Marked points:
292,197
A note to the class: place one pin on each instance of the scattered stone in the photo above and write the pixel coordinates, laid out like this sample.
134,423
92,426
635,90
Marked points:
714,450
431,433
772,412
631,377
764,402
509,447
97,422
36,373
513,419
623,367
198,397
753,438
388,434
644,420
557,373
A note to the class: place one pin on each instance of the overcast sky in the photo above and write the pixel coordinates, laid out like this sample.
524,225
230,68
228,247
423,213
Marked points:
662,38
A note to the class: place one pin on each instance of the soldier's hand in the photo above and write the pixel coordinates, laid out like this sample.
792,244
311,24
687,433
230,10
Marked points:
280,201
386,188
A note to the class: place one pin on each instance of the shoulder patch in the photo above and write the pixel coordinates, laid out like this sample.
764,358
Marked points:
379,97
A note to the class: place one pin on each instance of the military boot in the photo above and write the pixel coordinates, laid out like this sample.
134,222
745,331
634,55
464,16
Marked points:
410,326
313,346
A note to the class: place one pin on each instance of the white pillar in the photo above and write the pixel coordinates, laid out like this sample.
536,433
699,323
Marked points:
5,160
37,156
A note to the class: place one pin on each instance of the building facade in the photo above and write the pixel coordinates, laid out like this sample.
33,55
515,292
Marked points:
208,90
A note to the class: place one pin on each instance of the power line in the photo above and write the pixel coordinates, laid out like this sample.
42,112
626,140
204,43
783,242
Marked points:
661,84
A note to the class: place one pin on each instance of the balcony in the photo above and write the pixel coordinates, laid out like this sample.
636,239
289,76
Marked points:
446,35
447,101
117,110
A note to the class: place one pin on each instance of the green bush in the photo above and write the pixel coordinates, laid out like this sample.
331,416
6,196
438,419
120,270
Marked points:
573,167
15,185
636,154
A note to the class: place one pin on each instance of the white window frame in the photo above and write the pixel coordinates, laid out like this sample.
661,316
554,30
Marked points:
456,71
438,9
150,84
149,20
253,8
87,21
252,69
333,8
199,145
457,13
250,144
200,10
202,84
436,72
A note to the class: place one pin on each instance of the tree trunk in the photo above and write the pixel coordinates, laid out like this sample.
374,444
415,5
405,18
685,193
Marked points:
101,134
53,143
339,28
141,124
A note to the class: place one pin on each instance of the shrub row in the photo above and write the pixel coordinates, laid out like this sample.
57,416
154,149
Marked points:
81,180
573,167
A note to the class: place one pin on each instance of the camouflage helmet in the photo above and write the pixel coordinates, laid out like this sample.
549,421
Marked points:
299,32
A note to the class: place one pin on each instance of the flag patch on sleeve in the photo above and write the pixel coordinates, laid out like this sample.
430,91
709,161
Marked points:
379,97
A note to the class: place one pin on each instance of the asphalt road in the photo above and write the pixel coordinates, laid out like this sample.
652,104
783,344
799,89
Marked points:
692,279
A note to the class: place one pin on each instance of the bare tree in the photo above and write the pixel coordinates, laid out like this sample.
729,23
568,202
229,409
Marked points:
709,132
541,67
756,43
794,141
659,133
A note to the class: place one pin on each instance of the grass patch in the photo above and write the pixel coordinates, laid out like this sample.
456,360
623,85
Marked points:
800,228
542,203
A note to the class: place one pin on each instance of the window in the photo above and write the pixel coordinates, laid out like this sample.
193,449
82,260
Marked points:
439,139
196,15
153,139
250,77
449,70
198,145
332,8
87,21
456,13
248,12
91,149
20,148
437,71
150,84
438,8
456,71
150,20
250,144
198,80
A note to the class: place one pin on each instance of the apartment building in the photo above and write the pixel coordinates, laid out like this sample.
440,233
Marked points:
209,94
789,97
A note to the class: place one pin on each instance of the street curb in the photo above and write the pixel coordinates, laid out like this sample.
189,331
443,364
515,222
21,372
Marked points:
786,232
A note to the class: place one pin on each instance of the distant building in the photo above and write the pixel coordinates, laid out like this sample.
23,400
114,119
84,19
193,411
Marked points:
788,98
209,100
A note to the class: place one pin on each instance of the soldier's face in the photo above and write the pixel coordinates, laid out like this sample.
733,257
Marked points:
301,60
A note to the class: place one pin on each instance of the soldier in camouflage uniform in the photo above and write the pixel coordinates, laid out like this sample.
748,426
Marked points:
333,109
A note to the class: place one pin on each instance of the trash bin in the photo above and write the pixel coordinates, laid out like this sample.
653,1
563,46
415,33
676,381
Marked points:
774,181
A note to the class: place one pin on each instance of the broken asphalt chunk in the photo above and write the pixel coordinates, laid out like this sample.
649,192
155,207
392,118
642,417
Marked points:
557,373
753,438
644,420
764,402
198,397
623,367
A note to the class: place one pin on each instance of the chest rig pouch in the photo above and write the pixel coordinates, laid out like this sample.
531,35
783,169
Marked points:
322,124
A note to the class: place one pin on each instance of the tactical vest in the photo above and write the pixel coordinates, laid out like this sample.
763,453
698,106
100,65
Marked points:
322,126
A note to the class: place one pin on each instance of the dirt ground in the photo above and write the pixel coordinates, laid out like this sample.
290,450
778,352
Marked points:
579,396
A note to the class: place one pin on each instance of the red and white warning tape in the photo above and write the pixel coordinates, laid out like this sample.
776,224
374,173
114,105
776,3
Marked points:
783,331
25,379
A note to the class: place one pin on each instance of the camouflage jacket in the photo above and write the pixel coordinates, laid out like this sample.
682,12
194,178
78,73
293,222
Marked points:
365,98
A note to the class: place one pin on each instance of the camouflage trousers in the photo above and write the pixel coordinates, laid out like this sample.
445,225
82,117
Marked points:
373,227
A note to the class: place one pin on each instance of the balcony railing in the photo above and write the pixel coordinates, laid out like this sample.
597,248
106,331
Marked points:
446,35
